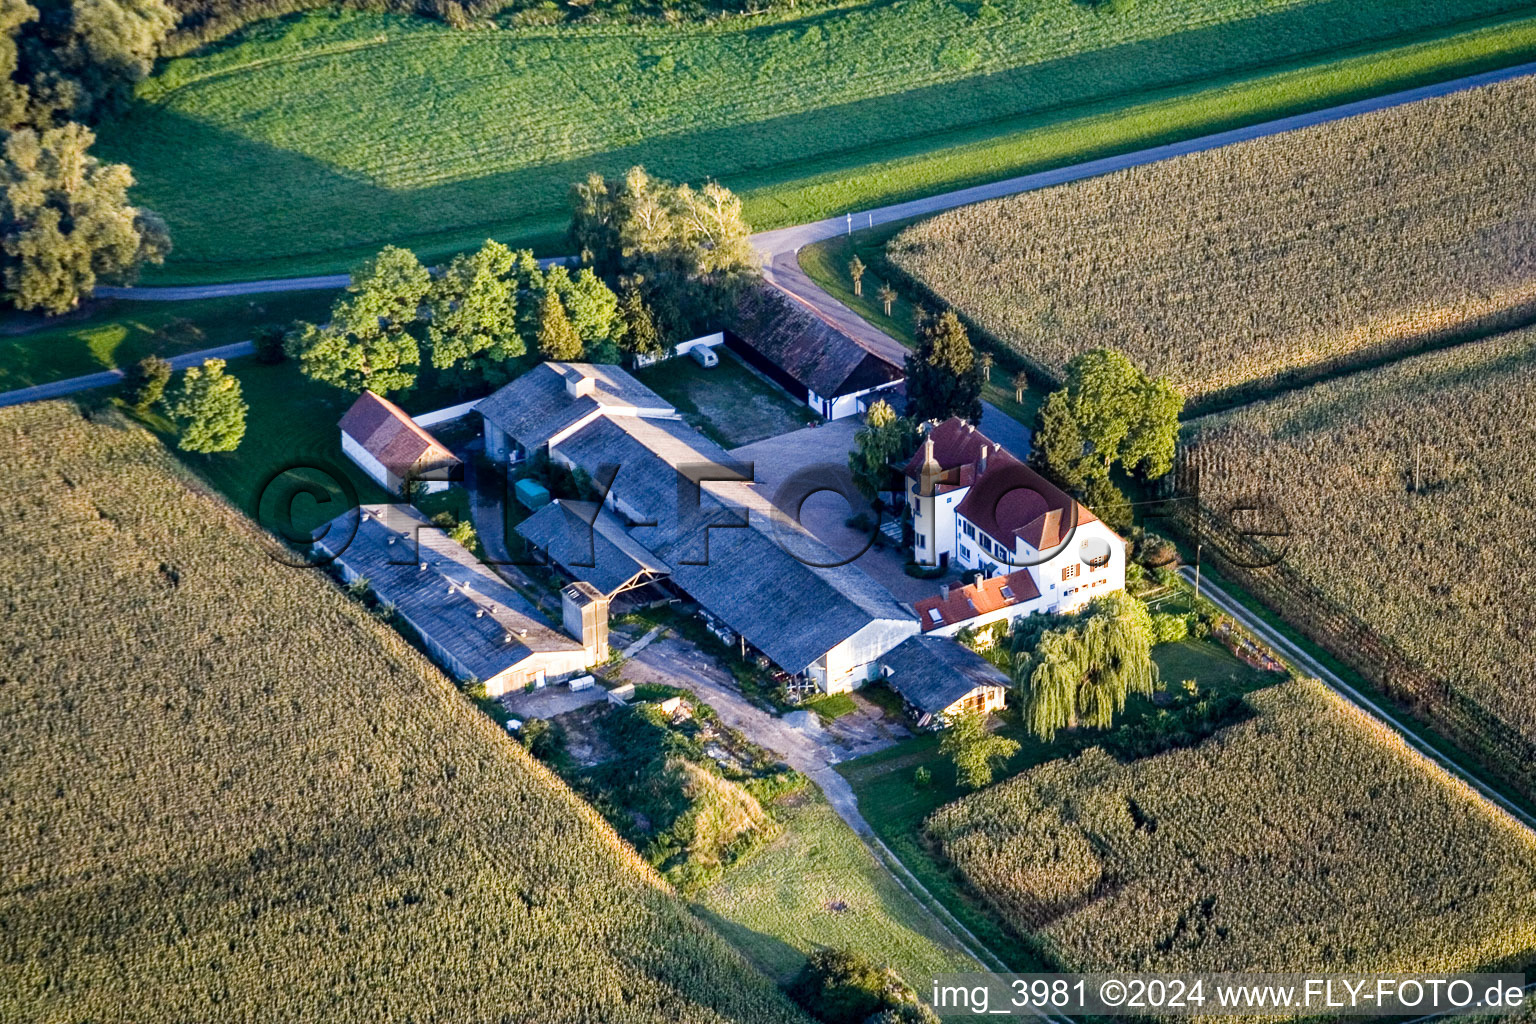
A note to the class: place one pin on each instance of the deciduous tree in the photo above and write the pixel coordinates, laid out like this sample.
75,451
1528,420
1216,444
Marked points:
885,439
208,409
473,332
887,296
856,273
1124,417
66,222
368,343
975,751
1082,671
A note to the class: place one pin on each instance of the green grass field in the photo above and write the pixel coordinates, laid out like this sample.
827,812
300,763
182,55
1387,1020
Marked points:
818,886
897,808
729,403
118,334
303,143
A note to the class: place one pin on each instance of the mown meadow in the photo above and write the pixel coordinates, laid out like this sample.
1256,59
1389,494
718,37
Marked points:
1404,495
301,143
229,792
1262,264
1306,838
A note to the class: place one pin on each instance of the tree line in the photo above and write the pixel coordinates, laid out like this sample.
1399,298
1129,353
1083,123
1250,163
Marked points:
66,221
657,261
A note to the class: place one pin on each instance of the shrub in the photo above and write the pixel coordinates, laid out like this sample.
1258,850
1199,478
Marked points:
841,986
1168,628
144,382
269,344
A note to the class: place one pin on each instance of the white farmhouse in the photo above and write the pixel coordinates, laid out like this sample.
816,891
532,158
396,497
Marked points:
975,506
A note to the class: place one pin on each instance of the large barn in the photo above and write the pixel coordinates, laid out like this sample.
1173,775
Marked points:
826,369
668,515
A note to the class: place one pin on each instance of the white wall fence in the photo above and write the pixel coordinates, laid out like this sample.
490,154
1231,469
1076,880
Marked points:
683,348
448,415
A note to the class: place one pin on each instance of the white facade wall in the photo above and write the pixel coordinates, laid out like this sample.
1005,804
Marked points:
375,469
448,415
855,661
843,405
1065,581
934,524
554,665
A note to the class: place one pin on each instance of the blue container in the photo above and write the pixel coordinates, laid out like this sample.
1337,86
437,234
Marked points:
531,494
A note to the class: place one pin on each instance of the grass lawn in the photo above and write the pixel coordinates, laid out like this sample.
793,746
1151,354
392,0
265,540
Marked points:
826,263
896,808
111,334
817,886
292,422
831,706
303,143
729,403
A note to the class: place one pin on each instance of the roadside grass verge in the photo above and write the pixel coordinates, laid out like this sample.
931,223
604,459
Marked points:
115,334
805,114
826,263
818,886
896,806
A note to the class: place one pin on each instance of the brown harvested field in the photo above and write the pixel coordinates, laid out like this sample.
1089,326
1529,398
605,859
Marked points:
1264,263
229,793
1427,588
1308,838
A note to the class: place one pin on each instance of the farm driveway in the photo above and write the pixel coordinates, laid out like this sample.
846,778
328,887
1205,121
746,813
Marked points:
826,514
800,741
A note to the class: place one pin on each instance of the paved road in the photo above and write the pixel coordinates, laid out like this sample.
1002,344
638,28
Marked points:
181,293
782,241
1304,661
106,378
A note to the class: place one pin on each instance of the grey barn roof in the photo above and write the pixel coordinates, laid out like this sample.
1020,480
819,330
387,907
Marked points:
442,600
791,611
594,549
537,406
932,672
807,348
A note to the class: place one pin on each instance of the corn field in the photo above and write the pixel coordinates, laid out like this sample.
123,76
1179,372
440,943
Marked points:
1409,498
1265,263
1306,838
228,793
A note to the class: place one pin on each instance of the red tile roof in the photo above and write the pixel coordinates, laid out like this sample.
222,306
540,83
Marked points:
384,431
977,599
1007,498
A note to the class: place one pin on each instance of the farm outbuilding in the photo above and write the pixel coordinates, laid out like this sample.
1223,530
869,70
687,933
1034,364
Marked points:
938,678
472,623
392,449
821,366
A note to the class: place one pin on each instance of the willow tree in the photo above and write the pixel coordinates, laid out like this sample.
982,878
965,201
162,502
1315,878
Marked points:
1081,672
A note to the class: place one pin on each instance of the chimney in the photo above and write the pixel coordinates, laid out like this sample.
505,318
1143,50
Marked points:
943,591
579,385
981,463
